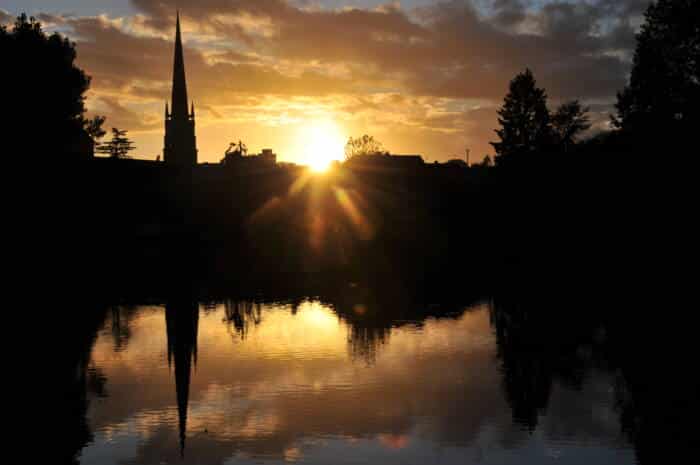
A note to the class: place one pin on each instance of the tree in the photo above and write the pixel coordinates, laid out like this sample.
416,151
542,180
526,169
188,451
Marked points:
93,128
569,121
486,162
365,145
119,146
42,88
664,87
239,149
524,119
234,151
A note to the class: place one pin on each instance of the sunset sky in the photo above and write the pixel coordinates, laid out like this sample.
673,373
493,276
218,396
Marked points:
421,76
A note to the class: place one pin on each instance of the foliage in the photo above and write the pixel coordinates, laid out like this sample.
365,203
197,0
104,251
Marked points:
568,122
486,162
524,119
93,127
664,85
365,145
43,87
119,146
239,149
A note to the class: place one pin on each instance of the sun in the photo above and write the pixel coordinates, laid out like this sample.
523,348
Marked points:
323,143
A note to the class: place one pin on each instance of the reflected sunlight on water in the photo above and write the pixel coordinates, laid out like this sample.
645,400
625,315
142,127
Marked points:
249,382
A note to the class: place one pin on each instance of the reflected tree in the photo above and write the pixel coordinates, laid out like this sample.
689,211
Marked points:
365,341
527,371
538,343
241,315
121,317
68,379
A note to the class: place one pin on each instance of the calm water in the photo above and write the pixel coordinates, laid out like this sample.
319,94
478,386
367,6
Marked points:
240,382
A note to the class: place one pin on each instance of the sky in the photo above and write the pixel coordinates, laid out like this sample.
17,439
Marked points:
423,77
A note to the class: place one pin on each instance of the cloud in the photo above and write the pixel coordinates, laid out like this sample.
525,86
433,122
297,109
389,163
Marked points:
121,116
447,49
5,18
448,54
509,12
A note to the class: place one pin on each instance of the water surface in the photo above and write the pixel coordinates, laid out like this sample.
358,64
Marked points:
245,382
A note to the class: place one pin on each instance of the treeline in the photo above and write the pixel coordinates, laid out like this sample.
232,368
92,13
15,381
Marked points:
555,203
618,203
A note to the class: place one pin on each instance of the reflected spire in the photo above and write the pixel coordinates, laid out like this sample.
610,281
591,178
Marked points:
182,322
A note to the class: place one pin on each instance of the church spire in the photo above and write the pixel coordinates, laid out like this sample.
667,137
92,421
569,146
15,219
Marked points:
179,95
180,140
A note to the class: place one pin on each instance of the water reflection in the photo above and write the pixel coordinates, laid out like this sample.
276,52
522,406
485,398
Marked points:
67,378
311,382
121,316
241,315
181,322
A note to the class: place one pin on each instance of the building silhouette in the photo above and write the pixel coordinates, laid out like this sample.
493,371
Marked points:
180,141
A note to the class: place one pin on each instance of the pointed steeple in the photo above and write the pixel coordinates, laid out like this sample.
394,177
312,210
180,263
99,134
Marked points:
180,141
179,95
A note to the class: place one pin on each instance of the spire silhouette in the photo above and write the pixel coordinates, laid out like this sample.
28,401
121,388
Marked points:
182,322
179,91
180,141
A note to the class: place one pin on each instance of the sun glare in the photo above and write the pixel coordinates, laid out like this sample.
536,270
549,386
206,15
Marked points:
323,143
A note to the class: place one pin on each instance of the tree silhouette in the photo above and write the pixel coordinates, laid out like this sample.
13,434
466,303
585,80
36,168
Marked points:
664,86
569,121
119,146
524,119
43,87
239,149
365,145
93,128
486,162
234,151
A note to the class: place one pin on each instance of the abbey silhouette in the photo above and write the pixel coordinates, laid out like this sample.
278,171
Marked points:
180,141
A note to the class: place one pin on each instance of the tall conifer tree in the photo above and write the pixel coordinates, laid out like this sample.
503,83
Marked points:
664,88
524,119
